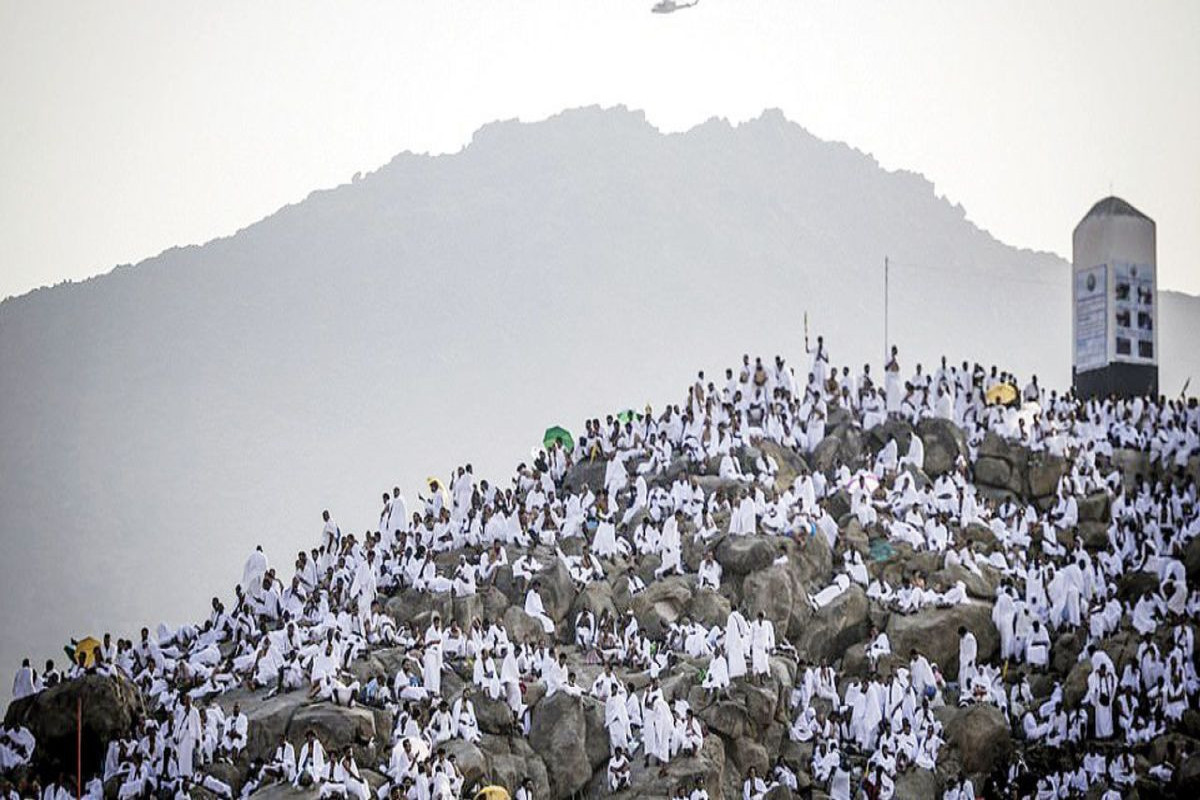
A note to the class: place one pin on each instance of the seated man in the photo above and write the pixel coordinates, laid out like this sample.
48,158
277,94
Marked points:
618,770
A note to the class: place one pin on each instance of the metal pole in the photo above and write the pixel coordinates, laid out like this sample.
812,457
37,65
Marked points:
886,353
79,748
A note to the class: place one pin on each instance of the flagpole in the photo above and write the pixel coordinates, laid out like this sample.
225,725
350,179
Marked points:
79,748
885,310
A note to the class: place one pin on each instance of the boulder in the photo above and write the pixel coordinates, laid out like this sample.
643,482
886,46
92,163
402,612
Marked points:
587,472
511,760
934,632
662,603
411,606
751,709
981,736
708,608
790,463
769,591
1094,508
835,627
944,444
995,451
285,791
1075,685
558,731
747,753
899,429
337,727
1132,464
853,537
1045,471
493,716
1094,535
523,628
979,534
1133,585
809,561
469,759
596,597
1187,779
1191,560
917,784
843,446
556,588
1065,650
708,766
268,718
741,555
993,472
838,505
107,708
982,586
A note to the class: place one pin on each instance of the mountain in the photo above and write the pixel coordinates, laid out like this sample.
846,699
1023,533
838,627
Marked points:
158,421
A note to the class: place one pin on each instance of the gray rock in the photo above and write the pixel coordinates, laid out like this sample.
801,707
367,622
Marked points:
982,737
523,628
1132,464
809,560
557,590
934,632
470,759
918,784
835,627
268,719
285,791
109,708
1094,508
877,438
586,472
769,591
337,727
1133,585
993,472
843,446
748,753
944,444
708,608
1191,560
1045,471
662,603
558,731
742,555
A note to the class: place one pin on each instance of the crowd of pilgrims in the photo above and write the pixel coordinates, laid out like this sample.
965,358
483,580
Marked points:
303,632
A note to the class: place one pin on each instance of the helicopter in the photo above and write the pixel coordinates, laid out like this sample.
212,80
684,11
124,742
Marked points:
669,6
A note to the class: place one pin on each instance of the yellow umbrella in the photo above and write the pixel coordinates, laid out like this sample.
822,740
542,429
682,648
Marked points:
89,647
1001,394
492,793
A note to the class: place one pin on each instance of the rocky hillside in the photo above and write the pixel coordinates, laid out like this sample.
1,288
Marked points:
446,309
559,737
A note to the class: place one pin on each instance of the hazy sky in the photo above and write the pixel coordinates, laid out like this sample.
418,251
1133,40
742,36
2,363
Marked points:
131,127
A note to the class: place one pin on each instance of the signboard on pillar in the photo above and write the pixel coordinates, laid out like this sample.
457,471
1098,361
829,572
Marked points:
1133,313
1091,318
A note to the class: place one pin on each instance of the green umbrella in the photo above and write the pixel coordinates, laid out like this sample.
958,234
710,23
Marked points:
557,434
625,416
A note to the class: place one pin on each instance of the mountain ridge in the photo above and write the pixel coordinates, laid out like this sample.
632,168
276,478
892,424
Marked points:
501,128
449,308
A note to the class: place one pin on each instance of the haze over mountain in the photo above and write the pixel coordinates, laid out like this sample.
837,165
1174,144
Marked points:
159,421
